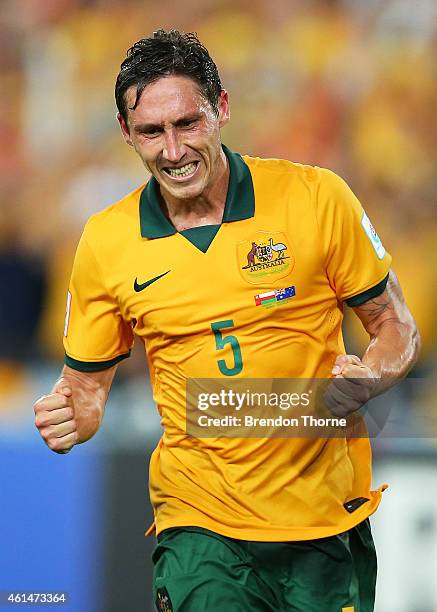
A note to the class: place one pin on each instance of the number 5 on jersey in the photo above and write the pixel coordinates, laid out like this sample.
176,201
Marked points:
221,342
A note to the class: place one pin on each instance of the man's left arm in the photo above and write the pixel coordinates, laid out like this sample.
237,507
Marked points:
392,352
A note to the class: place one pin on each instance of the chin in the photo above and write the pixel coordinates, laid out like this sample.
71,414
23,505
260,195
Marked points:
186,192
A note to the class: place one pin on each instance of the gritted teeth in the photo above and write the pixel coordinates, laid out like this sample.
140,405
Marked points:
183,171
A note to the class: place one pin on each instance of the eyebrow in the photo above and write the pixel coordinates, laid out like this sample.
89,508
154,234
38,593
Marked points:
151,127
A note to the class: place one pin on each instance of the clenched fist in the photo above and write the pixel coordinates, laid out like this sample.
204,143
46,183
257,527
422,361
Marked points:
353,385
54,418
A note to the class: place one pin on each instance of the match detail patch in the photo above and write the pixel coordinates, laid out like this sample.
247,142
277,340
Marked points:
275,297
373,236
67,314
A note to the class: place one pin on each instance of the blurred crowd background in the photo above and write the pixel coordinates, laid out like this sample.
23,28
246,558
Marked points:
345,84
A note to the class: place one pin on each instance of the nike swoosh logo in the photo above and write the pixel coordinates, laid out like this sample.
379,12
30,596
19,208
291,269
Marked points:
139,287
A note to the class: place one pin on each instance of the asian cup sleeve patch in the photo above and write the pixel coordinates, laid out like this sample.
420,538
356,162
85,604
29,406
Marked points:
163,601
373,236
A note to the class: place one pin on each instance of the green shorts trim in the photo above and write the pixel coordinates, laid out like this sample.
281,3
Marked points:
199,570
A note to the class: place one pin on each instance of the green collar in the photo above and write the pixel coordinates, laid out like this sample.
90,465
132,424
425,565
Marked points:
240,200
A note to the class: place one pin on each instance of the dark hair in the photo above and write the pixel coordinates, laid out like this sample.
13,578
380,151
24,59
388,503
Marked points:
164,54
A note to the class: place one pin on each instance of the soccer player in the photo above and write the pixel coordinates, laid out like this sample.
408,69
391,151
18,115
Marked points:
187,263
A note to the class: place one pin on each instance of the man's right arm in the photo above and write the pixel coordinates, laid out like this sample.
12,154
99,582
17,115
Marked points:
72,412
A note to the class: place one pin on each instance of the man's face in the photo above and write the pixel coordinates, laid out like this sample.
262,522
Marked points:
177,134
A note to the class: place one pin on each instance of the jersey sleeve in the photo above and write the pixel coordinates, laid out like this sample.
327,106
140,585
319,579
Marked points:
356,262
96,336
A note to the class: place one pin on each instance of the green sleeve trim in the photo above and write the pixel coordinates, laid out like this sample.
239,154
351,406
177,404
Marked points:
93,366
373,292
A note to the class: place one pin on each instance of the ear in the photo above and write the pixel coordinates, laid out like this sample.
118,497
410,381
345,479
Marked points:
124,130
223,108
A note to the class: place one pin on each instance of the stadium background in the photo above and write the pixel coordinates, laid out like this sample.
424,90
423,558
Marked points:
346,84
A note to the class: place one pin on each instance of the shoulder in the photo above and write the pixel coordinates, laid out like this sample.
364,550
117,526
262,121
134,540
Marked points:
115,220
283,167
280,167
301,181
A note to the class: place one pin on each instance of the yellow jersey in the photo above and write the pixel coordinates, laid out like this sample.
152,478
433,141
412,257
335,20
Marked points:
288,230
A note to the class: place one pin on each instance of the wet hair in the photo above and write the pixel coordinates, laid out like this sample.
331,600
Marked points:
164,54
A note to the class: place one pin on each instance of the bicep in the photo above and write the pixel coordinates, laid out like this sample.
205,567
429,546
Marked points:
96,334
388,307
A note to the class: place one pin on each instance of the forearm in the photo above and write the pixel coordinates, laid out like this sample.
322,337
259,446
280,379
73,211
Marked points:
394,339
89,392
392,352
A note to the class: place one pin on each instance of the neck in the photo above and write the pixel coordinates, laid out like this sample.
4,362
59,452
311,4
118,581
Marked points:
206,209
